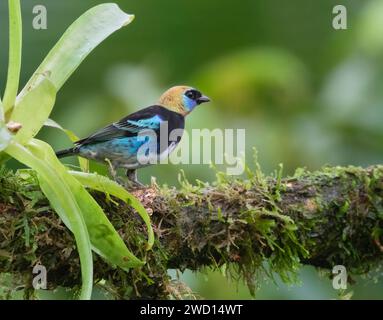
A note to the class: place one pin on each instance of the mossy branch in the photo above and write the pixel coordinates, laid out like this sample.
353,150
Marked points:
325,218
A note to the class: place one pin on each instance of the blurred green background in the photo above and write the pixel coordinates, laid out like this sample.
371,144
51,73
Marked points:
306,94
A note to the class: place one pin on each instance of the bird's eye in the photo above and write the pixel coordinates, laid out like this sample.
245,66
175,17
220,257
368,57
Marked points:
190,94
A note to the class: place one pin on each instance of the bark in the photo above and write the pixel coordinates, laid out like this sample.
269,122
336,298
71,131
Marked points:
330,217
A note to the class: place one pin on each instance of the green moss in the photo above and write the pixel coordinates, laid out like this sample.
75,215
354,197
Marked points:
275,233
252,228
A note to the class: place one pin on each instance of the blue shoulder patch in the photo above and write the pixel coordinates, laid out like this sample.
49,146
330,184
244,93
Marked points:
149,123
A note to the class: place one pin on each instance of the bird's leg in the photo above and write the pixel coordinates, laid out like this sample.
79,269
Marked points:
132,177
113,172
131,174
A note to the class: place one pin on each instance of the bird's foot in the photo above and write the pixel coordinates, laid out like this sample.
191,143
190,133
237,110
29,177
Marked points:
132,181
129,184
134,185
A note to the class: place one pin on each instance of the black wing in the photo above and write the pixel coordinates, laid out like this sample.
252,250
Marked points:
126,127
149,118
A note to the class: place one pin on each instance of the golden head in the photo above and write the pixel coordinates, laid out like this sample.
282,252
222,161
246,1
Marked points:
182,99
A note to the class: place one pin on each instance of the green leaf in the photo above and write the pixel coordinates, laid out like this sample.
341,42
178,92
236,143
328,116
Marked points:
33,110
77,42
53,124
15,45
65,204
84,163
104,238
104,184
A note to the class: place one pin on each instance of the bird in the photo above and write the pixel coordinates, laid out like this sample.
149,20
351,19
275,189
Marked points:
119,143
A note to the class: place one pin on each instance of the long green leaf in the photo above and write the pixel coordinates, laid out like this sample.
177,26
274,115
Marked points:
104,238
104,184
78,41
15,45
53,124
65,204
84,163
33,110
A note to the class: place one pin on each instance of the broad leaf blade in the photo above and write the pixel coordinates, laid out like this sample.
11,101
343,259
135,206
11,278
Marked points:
65,204
78,41
104,184
33,110
104,238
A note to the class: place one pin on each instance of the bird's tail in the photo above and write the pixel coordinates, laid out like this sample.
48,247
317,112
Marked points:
66,152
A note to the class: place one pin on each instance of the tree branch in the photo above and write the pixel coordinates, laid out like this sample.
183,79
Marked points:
324,218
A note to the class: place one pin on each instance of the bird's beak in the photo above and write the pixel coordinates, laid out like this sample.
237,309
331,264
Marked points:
203,99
